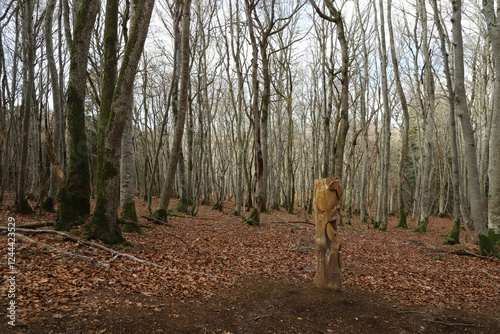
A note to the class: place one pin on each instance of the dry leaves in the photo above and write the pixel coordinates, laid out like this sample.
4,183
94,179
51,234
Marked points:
397,264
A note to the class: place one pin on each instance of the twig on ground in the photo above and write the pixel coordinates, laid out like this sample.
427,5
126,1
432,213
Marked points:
298,248
24,238
158,221
466,252
293,222
452,324
86,243
36,224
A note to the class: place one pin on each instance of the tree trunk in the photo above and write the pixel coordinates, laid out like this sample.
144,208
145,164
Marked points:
429,106
56,102
406,121
477,201
127,180
27,103
74,199
493,22
266,100
385,157
104,224
455,166
259,162
167,191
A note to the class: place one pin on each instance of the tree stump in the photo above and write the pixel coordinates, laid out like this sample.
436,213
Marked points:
327,201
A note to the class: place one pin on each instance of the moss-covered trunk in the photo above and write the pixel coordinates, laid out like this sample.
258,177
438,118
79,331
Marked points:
422,225
454,237
105,224
74,198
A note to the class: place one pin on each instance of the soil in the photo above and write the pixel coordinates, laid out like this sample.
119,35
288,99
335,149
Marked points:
227,277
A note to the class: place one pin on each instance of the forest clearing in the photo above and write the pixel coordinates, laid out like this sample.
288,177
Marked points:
220,275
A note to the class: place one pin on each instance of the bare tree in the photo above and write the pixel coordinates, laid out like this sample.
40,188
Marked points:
104,224
74,198
477,200
336,17
455,233
56,101
406,119
167,191
493,22
27,102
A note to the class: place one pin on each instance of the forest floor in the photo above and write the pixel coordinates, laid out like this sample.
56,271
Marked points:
219,275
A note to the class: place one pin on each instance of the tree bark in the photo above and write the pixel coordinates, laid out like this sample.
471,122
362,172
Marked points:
477,201
455,166
166,194
428,111
385,157
27,102
406,120
74,199
493,22
104,224
56,101
259,161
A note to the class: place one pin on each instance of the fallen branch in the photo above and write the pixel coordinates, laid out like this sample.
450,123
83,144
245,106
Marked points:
36,225
467,253
300,247
156,306
293,222
175,236
24,238
158,221
86,243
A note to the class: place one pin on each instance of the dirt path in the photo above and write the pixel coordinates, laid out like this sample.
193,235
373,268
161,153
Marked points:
270,306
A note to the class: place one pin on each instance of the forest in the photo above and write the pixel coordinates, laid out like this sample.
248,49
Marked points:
122,120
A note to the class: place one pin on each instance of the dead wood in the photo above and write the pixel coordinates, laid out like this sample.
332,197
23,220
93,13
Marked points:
467,253
86,243
292,222
158,221
36,224
24,238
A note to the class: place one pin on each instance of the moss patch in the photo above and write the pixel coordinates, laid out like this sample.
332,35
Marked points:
128,212
495,238
422,226
253,219
48,204
66,216
454,237
101,229
402,218
487,247
161,214
183,206
24,207
130,228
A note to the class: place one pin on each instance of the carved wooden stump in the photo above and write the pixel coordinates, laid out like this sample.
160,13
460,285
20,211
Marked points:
327,198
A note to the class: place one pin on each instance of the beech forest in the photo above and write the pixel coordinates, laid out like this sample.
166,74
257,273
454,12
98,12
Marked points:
158,161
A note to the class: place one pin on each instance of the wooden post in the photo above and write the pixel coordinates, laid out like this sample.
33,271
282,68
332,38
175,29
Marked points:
327,201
